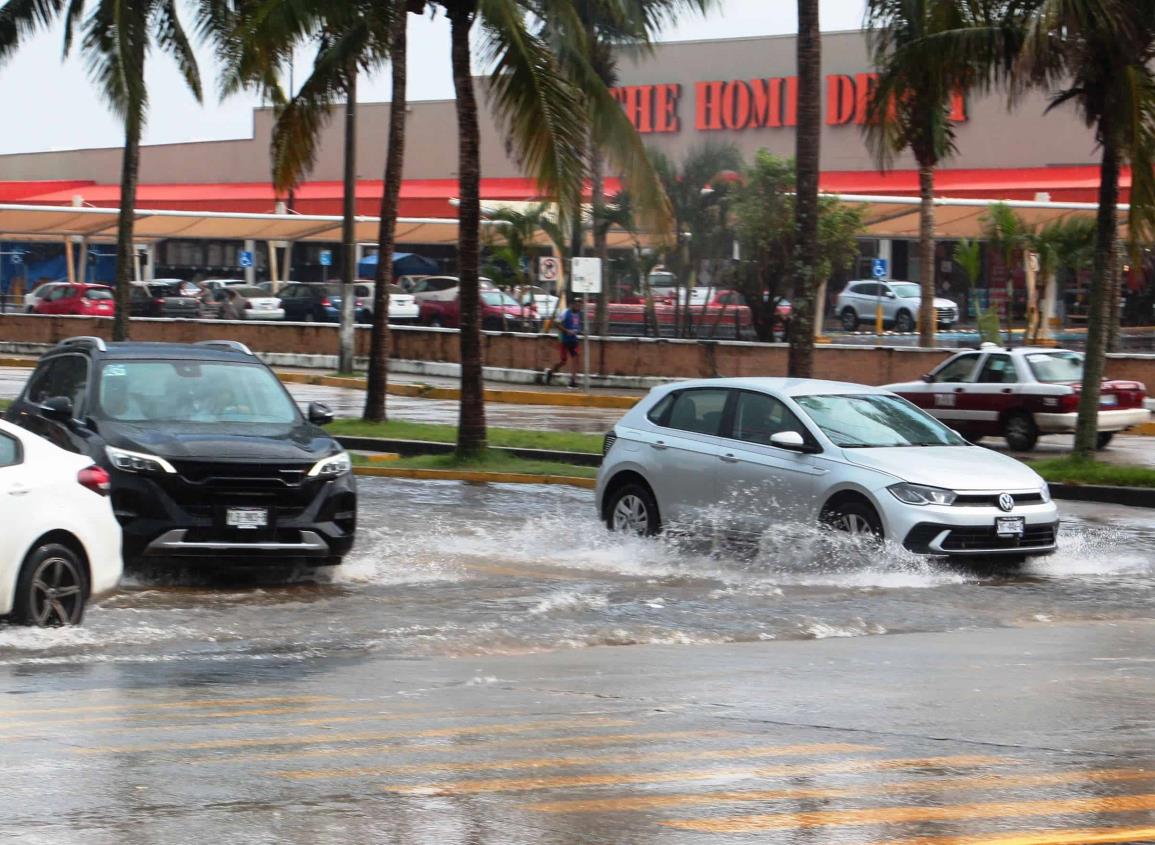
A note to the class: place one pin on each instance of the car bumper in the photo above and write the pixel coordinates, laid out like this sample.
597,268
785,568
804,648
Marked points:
1108,420
959,531
313,526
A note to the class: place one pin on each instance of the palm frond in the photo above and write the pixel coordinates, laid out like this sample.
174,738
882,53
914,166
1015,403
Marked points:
20,19
172,39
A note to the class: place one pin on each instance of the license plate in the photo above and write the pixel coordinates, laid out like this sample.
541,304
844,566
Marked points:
1009,526
247,517
1108,400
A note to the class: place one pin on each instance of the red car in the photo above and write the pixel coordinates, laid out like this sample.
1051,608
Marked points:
1020,394
500,312
79,299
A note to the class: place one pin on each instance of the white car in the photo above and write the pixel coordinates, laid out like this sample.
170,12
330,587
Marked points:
403,307
900,301
443,288
545,303
60,546
760,452
260,304
38,293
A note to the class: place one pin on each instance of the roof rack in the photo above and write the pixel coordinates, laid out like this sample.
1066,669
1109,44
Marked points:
85,341
234,345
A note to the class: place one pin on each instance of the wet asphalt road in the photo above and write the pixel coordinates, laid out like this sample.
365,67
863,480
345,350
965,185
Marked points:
454,682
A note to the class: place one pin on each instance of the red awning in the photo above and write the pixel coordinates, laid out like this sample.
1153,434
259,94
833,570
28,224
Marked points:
1064,184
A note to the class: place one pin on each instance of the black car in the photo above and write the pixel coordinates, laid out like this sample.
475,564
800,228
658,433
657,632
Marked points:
316,302
209,456
163,299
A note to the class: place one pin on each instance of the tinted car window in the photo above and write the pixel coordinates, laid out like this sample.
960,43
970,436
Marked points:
59,293
865,290
758,417
66,376
658,412
9,451
97,294
699,411
958,370
999,369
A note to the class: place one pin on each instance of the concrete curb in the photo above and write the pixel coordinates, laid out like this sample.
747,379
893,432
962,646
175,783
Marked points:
430,447
1136,497
510,397
475,477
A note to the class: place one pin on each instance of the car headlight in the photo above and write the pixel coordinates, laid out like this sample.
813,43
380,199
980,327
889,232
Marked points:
1046,492
139,462
918,494
332,467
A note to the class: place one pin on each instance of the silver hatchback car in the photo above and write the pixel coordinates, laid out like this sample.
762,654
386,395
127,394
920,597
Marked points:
756,452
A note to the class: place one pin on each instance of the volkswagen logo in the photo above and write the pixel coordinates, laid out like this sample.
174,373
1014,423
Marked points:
1007,502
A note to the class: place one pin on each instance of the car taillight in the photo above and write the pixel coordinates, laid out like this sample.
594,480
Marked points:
325,303
95,479
158,301
1069,404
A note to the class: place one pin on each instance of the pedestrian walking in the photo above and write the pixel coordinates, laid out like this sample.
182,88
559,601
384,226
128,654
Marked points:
570,328
234,306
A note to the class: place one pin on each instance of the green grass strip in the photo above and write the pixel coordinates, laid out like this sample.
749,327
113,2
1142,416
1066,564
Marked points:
514,438
492,462
1076,471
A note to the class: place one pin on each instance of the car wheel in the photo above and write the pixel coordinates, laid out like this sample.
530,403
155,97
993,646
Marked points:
633,510
904,322
1020,432
309,318
435,322
1103,439
856,518
52,588
849,319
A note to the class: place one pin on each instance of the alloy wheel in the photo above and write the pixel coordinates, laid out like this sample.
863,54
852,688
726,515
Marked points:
57,593
631,514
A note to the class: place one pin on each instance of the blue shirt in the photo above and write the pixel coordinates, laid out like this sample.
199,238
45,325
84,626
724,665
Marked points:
571,320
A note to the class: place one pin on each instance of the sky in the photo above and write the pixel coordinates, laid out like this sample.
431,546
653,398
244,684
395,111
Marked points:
49,104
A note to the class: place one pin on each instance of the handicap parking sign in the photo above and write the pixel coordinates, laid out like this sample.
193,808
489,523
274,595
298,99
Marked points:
878,268
246,260
326,258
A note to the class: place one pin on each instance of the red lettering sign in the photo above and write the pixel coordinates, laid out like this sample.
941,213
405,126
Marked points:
840,100
666,108
709,111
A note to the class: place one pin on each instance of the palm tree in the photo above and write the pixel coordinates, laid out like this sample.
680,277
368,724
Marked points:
1096,55
926,53
117,37
255,38
1008,234
807,162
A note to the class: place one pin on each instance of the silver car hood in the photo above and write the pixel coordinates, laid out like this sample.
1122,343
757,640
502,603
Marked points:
952,467
939,302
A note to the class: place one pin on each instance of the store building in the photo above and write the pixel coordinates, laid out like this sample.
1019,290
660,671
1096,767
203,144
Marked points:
681,96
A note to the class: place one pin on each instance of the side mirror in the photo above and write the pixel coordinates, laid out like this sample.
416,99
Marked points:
319,413
57,409
927,377
890,295
791,440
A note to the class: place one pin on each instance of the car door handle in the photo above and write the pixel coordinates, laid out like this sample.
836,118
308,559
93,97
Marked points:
659,444
18,490
728,458
958,390
1008,390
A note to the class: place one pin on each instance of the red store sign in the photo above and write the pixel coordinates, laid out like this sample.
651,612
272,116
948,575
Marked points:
751,104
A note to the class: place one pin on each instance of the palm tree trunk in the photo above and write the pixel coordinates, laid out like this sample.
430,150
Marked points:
378,376
1113,312
348,227
601,246
471,420
129,177
1087,426
926,312
807,157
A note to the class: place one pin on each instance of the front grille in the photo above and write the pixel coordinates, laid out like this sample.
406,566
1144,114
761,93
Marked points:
608,443
991,500
980,539
272,476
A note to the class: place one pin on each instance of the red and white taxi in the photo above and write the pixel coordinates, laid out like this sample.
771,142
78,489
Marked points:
1020,394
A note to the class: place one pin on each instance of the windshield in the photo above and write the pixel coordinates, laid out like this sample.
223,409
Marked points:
193,391
1056,367
868,421
496,297
907,291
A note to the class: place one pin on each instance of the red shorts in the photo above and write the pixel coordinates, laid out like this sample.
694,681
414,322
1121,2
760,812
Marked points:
569,349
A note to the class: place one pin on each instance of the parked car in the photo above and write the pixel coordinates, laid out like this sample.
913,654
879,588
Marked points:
314,302
171,299
207,454
541,299
443,287
402,306
732,298
78,299
859,301
1020,394
499,312
258,304
38,293
763,452
60,546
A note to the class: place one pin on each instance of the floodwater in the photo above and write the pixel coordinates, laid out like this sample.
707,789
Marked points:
451,569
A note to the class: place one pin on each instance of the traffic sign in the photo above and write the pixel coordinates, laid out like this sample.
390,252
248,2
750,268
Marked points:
326,258
246,259
17,258
548,268
587,275
878,268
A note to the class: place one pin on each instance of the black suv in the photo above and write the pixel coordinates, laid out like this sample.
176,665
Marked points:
209,455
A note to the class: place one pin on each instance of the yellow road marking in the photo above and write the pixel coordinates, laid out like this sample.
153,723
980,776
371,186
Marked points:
1082,836
328,739
425,748
990,780
526,784
903,815
565,762
169,705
